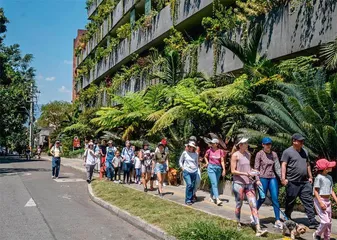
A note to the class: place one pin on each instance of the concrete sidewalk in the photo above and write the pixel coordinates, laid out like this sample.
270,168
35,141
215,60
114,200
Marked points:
177,195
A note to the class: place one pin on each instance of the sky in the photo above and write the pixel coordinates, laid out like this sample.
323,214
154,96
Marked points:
46,29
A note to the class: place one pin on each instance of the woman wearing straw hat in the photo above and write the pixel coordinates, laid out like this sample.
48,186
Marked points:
215,162
243,183
188,162
160,166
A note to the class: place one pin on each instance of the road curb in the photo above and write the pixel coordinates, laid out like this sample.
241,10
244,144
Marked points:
133,220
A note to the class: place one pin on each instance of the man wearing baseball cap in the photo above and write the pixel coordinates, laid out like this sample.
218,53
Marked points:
297,177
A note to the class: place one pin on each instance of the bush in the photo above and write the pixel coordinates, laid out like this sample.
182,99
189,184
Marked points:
203,230
72,154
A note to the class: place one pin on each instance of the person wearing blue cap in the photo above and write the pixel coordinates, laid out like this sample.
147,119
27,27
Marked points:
268,164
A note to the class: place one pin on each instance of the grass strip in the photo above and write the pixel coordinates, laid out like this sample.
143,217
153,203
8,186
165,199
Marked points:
179,221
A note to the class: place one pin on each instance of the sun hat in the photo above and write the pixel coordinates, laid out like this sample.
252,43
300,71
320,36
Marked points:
91,143
266,140
323,164
110,142
215,141
242,140
192,138
191,144
298,136
57,141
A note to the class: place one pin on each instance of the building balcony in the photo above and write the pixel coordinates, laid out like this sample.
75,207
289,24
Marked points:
92,9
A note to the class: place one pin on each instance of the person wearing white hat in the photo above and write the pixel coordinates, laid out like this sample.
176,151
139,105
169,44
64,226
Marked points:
215,162
188,163
243,183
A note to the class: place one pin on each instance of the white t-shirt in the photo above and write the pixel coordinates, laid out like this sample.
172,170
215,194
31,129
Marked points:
138,163
90,160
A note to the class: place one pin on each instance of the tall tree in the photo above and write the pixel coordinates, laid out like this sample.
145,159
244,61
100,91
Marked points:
16,78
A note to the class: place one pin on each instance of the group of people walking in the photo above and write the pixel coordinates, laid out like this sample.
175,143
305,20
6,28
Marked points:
293,170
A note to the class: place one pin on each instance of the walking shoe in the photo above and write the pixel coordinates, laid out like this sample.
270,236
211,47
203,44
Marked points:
88,181
313,224
57,177
239,226
53,177
260,232
278,224
189,203
212,200
145,189
315,237
218,202
164,184
156,182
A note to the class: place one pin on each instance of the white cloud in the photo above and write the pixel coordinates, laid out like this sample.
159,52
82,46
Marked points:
39,77
68,62
50,78
63,89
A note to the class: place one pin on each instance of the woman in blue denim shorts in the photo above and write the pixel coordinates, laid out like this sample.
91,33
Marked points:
160,166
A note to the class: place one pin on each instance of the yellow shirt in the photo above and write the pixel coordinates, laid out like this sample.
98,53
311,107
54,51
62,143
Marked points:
56,151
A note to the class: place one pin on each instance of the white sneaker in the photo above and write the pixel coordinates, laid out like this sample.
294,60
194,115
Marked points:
278,224
53,177
156,182
260,232
212,200
218,202
164,184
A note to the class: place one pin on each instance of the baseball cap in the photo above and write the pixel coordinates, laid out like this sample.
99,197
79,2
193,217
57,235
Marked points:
215,140
57,141
323,164
193,138
266,140
110,142
298,136
160,144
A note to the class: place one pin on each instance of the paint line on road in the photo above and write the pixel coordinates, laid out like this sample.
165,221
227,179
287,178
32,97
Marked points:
30,203
69,180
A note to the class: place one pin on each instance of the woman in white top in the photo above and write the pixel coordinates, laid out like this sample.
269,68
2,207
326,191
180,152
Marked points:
189,165
90,160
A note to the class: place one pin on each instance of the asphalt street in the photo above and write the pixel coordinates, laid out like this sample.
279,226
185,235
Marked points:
33,206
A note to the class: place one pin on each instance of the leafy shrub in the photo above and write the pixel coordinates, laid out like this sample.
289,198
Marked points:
72,154
203,230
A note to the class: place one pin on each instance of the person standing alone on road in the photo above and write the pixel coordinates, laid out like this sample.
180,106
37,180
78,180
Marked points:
90,160
297,177
56,152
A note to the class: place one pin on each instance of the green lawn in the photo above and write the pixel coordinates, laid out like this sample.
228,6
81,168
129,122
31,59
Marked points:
177,220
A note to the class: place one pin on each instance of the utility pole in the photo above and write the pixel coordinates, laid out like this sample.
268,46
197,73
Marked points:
31,117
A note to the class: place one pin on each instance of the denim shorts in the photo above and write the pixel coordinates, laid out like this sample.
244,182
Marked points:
160,168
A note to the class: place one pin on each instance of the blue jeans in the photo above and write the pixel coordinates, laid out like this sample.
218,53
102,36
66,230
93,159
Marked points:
214,173
190,182
138,174
270,184
56,163
109,170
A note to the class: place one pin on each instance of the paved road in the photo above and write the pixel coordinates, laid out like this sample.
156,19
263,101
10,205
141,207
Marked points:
33,206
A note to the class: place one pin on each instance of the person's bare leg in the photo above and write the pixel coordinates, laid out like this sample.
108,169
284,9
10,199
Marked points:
160,182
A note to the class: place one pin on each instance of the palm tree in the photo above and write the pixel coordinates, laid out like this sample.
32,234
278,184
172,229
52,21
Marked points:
254,64
307,107
329,54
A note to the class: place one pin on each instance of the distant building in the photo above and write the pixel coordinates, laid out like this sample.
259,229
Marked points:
77,43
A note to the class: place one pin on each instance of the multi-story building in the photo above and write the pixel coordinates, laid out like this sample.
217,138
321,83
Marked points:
290,31
76,44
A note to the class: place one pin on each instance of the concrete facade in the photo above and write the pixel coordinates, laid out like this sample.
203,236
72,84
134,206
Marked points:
288,32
